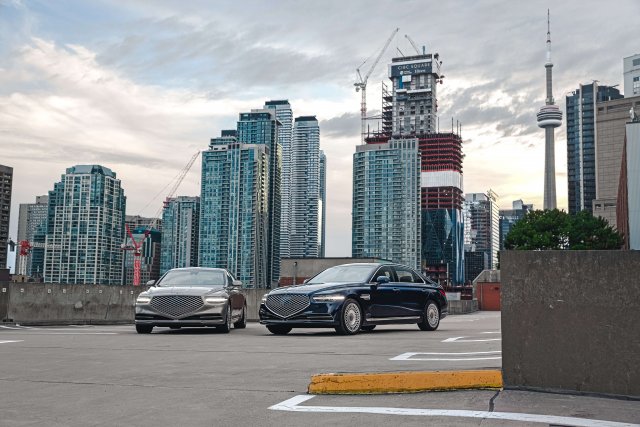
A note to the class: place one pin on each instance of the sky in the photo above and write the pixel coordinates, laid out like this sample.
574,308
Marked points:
140,86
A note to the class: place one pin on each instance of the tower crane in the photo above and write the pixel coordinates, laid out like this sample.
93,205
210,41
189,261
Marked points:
406,36
136,245
361,83
25,252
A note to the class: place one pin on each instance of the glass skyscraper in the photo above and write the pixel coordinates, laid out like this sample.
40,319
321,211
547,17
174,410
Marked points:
581,143
180,227
234,224
261,127
284,115
85,228
483,231
305,205
6,182
386,201
509,218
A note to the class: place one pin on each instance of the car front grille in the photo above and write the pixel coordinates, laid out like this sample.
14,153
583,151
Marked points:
286,305
176,305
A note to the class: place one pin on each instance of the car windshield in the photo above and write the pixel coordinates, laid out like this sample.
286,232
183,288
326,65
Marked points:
343,274
188,278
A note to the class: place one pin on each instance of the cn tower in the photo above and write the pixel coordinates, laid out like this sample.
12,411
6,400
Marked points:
549,118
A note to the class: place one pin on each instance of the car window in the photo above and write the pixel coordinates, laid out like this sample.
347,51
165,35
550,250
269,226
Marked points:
195,277
383,271
407,275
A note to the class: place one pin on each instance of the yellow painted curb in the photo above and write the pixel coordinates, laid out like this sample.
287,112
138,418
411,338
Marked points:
404,382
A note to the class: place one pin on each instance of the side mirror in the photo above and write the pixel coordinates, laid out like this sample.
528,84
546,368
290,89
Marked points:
151,283
236,284
382,279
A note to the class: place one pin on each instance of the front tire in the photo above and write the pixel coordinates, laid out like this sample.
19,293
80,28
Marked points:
226,328
242,323
144,329
350,318
431,318
279,329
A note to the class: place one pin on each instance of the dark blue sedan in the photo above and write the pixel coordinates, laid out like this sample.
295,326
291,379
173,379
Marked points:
354,297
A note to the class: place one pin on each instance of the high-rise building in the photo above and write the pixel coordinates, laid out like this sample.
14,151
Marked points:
628,213
414,105
322,231
6,182
484,229
260,127
305,204
32,227
85,227
631,73
611,119
475,262
386,201
180,227
234,224
409,115
509,218
549,117
441,204
581,142
284,115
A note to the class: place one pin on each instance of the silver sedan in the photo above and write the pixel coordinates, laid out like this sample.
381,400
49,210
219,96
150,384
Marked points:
192,297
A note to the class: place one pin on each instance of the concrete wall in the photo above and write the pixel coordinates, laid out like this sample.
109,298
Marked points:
41,304
571,321
54,304
464,306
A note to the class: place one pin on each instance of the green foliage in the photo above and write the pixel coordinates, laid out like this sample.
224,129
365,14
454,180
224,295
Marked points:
554,229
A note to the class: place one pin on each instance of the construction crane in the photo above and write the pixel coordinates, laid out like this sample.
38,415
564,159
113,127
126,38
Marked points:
136,245
406,36
361,83
25,252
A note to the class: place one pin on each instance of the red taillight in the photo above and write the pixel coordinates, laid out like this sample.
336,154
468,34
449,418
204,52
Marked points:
443,293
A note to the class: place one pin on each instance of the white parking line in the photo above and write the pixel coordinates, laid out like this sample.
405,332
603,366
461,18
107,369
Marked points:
460,339
293,405
461,356
7,342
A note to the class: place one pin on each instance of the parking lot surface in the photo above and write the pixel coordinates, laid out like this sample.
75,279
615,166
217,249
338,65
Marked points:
109,375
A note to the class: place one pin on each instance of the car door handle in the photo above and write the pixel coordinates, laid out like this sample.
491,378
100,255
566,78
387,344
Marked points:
396,289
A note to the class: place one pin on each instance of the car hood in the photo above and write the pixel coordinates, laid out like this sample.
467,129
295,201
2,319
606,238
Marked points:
199,291
311,289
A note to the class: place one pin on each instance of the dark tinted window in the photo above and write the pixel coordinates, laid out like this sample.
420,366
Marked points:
383,271
187,278
407,275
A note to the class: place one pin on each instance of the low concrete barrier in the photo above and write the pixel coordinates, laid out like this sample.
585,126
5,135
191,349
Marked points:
57,304
463,306
49,303
571,321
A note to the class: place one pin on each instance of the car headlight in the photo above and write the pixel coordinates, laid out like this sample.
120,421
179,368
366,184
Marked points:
264,299
215,300
143,299
328,298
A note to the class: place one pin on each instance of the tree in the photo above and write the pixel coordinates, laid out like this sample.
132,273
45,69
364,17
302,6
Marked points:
555,229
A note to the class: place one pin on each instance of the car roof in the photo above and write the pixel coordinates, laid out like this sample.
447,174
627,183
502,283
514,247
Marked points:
197,268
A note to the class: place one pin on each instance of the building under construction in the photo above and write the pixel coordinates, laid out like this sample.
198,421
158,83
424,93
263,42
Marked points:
409,115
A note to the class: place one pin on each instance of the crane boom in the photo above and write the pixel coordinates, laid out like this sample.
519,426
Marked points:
406,36
361,84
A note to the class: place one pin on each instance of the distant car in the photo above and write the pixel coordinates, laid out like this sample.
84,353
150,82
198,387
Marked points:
354,297
192,297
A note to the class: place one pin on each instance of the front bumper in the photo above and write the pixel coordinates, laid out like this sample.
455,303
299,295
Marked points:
316,315
207,315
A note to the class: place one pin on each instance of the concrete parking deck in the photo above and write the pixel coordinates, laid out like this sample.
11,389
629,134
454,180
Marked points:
109,375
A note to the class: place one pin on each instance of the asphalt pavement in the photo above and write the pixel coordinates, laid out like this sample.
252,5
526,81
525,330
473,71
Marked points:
111,376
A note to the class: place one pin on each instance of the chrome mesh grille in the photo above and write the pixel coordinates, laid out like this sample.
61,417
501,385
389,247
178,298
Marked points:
285,305
176,305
